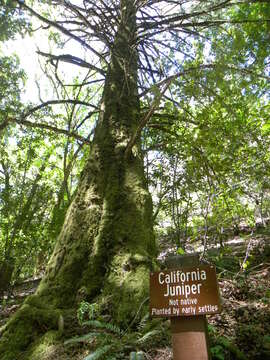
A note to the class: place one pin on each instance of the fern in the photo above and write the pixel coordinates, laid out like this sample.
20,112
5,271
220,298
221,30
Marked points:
82,338
148,336
111,342
99,353
102,325
143,321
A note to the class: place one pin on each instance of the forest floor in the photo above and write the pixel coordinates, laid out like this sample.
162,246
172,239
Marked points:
244,281
241,331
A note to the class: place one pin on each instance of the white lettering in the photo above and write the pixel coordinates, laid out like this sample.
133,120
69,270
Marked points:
168,291
161,281
173,302
203,275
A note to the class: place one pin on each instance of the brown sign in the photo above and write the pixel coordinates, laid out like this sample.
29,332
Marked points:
184,292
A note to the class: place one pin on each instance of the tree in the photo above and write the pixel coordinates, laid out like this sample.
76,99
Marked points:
34,196
106,246
221,148
12,80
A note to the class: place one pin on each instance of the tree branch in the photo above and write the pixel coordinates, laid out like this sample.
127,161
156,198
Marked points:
22,120
60,28
204,67
55,102
147,118
72,60
31,124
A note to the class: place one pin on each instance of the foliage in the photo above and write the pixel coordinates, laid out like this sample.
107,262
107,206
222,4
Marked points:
207,150
12,81
37,170
30,180
12,20
211,165
222,348
108,341
87,310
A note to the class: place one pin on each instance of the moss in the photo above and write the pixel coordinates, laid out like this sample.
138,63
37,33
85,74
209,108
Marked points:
44,347
125,290
18,335
28,323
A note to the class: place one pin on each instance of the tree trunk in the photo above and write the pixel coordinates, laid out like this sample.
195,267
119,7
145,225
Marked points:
106,246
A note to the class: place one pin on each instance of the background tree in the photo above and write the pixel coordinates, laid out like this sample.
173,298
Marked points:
12,80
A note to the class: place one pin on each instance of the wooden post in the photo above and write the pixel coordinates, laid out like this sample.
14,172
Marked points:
189,334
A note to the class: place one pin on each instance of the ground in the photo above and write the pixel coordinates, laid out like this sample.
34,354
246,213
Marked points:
241,331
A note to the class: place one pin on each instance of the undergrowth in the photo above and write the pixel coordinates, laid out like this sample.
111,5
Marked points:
108,341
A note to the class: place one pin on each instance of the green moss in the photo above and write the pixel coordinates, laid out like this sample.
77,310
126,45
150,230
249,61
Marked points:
18,334
44,347
28,323
125,290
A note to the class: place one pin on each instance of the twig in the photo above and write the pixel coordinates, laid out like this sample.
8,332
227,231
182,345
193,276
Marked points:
135,317
147,118
48,127
72,60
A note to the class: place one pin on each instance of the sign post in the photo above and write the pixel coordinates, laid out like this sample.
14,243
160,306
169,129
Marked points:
186,292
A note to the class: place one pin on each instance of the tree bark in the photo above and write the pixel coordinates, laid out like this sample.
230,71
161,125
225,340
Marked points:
106,246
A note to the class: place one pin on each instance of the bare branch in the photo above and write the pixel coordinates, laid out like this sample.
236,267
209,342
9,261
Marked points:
204,67
62,29
56,102
147,118
31,124
72,60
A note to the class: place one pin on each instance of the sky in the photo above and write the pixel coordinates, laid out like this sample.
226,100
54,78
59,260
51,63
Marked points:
26,49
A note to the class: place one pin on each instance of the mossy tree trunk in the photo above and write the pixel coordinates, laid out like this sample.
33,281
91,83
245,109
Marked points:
106,246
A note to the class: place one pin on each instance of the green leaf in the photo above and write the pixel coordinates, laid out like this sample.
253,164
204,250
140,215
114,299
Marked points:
102,325
246,264
82,338
218,352
180,251
99,353
266,129
148,336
